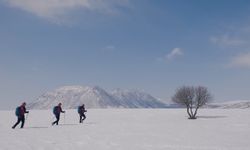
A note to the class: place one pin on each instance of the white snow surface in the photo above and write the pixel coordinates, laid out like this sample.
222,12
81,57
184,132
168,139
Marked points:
129,129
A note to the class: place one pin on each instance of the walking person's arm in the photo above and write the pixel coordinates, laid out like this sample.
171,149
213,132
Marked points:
62,110
25,111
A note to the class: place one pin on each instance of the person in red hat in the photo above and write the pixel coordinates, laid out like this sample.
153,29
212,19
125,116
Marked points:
20,113
57,110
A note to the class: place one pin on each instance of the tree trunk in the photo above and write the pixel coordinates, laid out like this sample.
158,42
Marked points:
190,116
191,109
196,111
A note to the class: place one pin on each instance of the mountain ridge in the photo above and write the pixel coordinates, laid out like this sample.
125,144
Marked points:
95,97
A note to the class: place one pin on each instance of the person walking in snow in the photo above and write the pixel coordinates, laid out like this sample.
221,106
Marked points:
57,110
20,113
81,110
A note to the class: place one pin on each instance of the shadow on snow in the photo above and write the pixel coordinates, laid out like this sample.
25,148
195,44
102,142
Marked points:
211,117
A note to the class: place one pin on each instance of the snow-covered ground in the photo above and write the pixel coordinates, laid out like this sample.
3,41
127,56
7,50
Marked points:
129,129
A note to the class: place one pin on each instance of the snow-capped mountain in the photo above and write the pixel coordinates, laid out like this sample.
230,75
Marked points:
136,99
95,97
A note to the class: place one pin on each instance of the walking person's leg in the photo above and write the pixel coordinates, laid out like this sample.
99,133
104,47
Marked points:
80,118
53,123
23,121
57,119
18,121
84,117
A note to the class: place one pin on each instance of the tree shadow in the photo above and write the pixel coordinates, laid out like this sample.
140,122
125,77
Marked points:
211,117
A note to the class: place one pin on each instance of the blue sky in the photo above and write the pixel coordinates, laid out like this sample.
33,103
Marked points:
151,45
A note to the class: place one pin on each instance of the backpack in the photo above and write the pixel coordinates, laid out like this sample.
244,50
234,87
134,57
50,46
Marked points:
55,110
18,111
79,109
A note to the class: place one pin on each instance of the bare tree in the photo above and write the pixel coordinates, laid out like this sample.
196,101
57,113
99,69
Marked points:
192,98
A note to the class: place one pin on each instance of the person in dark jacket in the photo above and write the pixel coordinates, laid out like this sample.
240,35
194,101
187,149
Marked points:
57,111
81,111
20,113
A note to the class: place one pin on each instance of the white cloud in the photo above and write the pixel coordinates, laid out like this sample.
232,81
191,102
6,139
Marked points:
226,40
57,10
235,40
174,53
241,61
109,48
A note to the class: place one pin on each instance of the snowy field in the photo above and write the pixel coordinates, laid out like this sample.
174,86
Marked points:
129,129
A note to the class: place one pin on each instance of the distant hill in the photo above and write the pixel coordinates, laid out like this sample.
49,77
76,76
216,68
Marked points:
240,104
95,97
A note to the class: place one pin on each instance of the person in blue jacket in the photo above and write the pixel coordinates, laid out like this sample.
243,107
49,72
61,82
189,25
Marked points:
81,111
20,113
57,110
